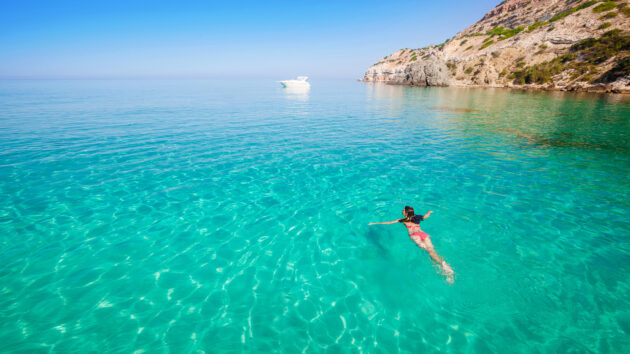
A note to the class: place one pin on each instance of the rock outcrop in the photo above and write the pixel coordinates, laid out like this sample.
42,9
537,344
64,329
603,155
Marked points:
547,44
431,71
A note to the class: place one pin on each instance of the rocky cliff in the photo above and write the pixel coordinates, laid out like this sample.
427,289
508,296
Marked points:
581,45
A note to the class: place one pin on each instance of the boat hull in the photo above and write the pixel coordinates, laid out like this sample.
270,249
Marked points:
294,83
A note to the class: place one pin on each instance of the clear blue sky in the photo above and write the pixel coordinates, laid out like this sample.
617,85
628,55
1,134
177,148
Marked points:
274,39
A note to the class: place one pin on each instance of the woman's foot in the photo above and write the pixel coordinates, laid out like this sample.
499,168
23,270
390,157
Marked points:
448,271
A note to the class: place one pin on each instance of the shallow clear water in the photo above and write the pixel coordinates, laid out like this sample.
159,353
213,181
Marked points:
231,216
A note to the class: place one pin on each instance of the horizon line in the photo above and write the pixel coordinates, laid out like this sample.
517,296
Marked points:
167,77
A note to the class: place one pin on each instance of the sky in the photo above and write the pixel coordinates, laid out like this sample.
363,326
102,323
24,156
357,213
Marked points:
219,39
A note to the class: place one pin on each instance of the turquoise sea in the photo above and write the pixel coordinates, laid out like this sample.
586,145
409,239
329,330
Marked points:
226,216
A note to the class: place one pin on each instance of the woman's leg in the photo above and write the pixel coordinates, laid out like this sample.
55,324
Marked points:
427,245
429,248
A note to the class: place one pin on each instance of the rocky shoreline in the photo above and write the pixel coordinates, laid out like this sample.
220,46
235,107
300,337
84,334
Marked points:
599,88
548,45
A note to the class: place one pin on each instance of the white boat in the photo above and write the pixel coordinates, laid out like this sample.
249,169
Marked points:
300,82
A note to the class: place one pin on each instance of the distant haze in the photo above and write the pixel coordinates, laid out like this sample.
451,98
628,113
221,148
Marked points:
198,39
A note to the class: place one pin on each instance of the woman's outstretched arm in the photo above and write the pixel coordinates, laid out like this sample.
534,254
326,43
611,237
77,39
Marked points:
427,214
383,223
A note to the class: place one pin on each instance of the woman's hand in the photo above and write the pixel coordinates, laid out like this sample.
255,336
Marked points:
383,223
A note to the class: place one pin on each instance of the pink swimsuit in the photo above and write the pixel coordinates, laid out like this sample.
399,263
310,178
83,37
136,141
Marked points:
423,235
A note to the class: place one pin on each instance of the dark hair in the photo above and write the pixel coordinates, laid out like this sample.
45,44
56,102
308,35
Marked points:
411,216
409,211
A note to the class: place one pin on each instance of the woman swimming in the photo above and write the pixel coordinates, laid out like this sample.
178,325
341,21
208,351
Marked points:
421,238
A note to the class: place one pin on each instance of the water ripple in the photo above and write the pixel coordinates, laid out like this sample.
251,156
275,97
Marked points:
232,216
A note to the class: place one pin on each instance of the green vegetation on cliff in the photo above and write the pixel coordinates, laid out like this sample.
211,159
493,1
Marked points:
472,35
582,59
536,25
605,25
608,15
605,6
566,13
485,45
541,73
621,69
600,50
505,33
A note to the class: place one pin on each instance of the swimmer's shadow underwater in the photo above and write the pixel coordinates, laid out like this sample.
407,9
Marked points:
379,251
389,255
